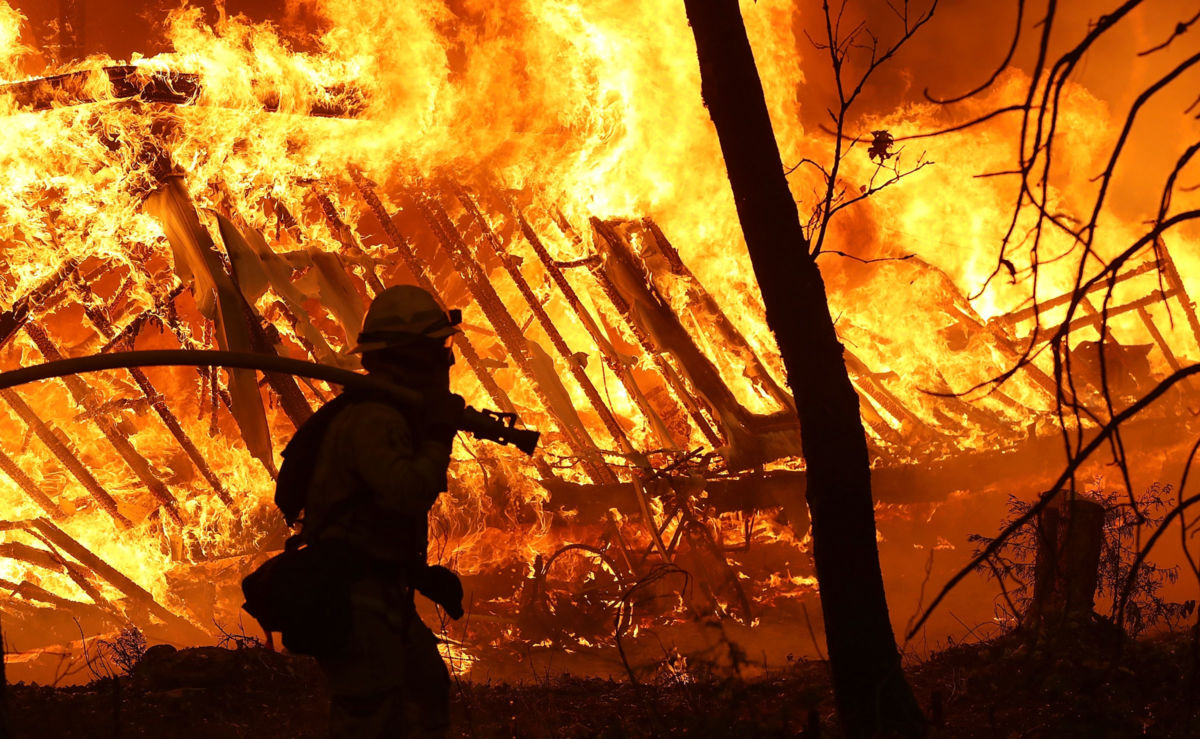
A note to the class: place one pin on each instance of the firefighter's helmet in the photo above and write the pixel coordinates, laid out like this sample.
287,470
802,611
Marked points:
402,314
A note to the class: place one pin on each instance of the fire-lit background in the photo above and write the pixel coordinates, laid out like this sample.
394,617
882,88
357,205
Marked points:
249,174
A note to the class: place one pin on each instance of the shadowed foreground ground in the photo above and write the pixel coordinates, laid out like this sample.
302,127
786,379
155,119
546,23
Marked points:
997,689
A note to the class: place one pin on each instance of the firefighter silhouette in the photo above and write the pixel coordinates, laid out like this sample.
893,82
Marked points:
378,470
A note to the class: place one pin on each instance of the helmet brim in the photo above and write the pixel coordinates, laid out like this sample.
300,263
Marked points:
441,332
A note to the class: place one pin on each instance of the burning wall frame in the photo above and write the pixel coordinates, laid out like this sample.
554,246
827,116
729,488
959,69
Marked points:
482,235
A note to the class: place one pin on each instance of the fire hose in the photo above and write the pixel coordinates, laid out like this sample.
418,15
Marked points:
482,424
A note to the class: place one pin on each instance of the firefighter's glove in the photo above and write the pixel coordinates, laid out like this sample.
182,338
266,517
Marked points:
443,587
443,416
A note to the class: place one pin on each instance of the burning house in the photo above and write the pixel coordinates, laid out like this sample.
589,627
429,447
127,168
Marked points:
254,185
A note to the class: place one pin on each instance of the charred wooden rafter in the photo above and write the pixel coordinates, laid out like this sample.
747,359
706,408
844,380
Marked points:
1095,318
345,236
752,439
1161,341
104,326
570,358
1172,274
164,310
136,593
30,555
678,390
30,488
13,319
869,385
83,611
702,299
608,353
1163,263
129,332
63,554
130,83
65,455
1010,320
552,395
85,397
80,575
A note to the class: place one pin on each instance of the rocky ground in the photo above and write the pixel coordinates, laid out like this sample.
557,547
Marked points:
1004,688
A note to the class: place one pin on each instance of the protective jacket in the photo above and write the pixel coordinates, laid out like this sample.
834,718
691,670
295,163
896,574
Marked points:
374,483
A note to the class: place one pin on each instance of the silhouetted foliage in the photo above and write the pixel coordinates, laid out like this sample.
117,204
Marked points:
1012,564
124,650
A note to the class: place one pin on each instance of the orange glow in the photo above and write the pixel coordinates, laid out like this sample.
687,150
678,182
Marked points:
543,111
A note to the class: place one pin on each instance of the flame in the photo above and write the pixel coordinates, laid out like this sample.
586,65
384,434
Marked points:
567,110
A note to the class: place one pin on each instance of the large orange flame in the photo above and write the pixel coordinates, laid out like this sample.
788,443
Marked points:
572,110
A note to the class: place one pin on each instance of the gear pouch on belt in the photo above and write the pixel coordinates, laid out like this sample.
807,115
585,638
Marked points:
304,593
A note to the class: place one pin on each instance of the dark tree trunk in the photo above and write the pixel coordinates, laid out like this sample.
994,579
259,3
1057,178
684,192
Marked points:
1070,537
4,731
872,694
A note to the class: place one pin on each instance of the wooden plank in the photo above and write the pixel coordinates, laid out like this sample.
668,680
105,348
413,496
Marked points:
65,455
116,578
85,397
608,353
31,488
129,83
574,366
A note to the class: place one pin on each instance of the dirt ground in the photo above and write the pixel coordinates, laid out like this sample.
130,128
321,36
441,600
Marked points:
1003,688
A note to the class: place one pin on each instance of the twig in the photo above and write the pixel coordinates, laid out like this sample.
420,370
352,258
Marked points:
811,633
1180,29
868,261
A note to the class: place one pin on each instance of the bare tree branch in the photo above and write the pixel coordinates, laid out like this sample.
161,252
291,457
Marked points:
1048,497
848,91
1180,29
1012,49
